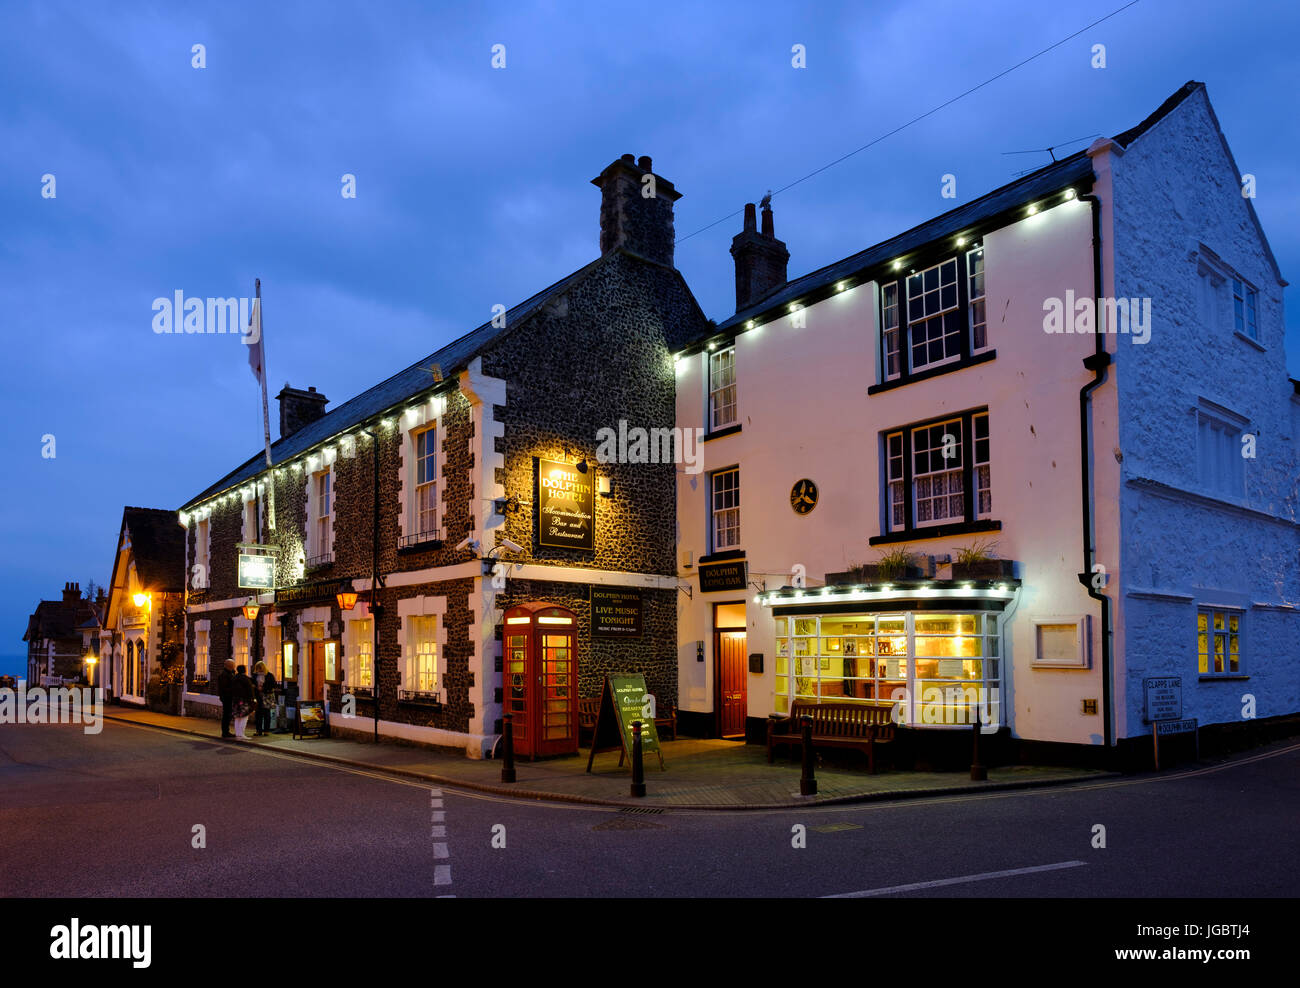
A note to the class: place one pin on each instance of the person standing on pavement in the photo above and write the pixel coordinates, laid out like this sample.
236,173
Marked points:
225,686
264,690
243,693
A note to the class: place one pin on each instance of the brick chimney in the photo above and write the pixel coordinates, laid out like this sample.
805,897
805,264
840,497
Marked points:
630,216
760,258
71,593
299,408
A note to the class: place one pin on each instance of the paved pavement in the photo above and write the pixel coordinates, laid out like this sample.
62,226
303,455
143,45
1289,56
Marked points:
703,774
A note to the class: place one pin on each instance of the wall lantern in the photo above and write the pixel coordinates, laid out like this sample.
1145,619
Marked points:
251,608
141,599
347,599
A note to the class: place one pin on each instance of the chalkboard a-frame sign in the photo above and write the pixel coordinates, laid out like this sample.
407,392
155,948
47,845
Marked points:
621,703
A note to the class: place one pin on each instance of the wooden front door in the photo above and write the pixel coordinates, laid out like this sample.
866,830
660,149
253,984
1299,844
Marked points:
316,672
730,656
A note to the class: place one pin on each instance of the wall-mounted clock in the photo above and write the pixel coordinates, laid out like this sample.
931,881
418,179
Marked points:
803,496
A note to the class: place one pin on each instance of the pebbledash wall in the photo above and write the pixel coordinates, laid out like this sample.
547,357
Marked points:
591,350
1180,224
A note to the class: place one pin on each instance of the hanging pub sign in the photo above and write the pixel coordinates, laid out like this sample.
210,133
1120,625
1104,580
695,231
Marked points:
566,506
729,574
616,612
256,572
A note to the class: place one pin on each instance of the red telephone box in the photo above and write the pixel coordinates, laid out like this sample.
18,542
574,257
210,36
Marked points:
541,679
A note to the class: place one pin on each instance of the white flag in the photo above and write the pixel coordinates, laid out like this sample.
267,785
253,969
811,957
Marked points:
253,340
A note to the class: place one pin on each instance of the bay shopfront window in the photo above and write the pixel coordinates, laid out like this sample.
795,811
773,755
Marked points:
938,665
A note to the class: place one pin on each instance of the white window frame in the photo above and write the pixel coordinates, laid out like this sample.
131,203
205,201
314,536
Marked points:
981,321
1082,655
958,467
202,551
1222,289
720,518
359,638
891,331
242,624
724,407
1210,610
985,461
427,415
318,554
202,660
1247,296
928,316
425,606
895,482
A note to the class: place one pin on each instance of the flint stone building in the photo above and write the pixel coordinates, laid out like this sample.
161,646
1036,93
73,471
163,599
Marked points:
486,456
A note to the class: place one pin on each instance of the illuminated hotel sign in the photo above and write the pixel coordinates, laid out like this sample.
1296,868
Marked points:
615,612
566,506
256,572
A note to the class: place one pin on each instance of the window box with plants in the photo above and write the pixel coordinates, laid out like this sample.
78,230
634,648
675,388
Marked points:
900,563
979,562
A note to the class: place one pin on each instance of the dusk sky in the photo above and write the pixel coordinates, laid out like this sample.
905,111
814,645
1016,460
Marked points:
473,187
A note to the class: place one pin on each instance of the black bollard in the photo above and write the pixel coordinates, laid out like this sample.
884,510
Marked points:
508,769
807,778
638,769
978,773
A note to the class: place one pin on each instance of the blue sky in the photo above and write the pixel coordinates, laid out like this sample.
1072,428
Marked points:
473,187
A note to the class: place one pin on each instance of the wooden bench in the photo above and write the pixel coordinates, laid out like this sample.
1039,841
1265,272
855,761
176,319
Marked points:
589,707
835,724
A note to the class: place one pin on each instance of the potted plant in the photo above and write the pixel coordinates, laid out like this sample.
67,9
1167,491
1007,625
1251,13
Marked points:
900,563
978,561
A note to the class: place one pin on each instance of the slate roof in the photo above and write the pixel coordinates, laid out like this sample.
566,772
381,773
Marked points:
158,547
57,619
402,386
1077,168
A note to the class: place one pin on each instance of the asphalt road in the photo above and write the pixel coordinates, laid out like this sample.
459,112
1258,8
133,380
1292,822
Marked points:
115,815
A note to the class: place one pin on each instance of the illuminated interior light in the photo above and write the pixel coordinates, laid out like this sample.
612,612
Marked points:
518,620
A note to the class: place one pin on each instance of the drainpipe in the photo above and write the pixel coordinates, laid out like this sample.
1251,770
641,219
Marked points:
1097,362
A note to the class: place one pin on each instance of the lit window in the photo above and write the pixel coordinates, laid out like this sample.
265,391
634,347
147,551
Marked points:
897,493
726,508
241,648
360,671
202,656
722,388
983,469
1218,640
421,676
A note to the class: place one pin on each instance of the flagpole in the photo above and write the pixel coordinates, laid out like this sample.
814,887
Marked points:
266,415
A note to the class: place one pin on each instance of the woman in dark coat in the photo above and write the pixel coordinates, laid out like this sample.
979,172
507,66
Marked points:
264,688
244,694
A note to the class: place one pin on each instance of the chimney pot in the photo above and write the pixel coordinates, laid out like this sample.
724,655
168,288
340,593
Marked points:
760,258
644,163
641,224
299,408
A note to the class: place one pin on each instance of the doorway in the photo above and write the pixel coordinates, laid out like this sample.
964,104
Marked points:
731,700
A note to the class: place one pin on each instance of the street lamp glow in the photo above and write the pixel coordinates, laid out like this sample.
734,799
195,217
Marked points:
141,599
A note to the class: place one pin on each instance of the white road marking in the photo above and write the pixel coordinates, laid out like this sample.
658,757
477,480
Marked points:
442,876
984,877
